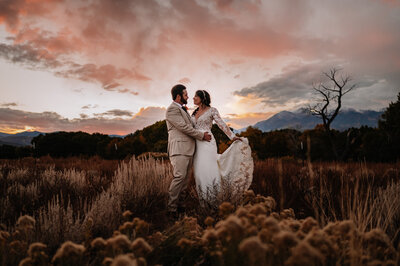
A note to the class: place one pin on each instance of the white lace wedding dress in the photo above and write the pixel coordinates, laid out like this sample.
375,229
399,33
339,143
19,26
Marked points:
233,168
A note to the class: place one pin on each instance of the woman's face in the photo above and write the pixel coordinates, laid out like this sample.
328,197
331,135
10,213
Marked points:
196,100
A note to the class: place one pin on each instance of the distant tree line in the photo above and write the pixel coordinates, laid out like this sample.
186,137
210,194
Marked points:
380,144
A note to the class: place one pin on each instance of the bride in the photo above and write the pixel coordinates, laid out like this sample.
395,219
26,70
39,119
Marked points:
213,171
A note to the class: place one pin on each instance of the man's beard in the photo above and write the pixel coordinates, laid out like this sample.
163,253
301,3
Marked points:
183,101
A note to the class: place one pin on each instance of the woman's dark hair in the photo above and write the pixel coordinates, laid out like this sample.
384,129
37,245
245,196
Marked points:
177,90
205,99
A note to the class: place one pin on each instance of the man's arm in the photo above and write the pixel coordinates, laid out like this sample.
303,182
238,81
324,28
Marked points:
174,116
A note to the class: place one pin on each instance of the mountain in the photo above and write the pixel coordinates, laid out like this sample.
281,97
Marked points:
4,135
19,139
29,134
301,121
24,138
118,136
10,143
15,140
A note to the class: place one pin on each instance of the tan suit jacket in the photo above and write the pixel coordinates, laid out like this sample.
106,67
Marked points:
181,132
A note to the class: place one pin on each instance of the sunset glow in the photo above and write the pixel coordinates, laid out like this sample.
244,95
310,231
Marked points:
17,130
108,66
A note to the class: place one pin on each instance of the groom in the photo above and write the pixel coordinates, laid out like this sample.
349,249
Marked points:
181,145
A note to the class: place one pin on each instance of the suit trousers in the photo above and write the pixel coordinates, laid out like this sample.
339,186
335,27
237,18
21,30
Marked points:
181,165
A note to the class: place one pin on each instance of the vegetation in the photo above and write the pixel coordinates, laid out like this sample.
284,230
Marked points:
365,144
329,104
94,211
85,199
380,144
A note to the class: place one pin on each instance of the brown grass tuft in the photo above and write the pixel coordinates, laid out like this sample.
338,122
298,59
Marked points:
305,254
69,252
124,260
140,247
254,251
98,243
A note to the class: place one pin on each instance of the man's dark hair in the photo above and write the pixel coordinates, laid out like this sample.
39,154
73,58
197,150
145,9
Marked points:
177,90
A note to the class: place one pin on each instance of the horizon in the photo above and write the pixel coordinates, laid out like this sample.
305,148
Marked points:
237,129
73,66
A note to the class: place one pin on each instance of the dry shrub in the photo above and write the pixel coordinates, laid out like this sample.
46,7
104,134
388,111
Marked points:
254,251
305,254
87,206
124,260
69,254
141,248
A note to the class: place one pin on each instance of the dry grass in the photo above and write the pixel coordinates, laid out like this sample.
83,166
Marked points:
75,211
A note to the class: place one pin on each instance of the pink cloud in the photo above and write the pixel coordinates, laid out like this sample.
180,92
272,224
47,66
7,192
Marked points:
64,42
11,119
144,44
11,11
107,75
184,80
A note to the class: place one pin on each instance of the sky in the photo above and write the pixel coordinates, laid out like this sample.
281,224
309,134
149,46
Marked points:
108,66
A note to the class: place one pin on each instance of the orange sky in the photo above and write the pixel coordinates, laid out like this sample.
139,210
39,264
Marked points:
108,66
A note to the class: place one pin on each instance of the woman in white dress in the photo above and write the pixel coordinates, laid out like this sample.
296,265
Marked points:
212,171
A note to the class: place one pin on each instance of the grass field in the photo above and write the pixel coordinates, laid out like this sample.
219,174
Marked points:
95,211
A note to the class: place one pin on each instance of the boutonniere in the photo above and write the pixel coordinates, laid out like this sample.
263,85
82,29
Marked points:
185,107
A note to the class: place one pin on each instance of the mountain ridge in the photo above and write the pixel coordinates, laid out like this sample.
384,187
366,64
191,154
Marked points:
303,121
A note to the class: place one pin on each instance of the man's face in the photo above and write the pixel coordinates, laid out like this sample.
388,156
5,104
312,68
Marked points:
185,97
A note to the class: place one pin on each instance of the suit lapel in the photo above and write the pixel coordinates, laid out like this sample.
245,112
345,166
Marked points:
184,113
187,115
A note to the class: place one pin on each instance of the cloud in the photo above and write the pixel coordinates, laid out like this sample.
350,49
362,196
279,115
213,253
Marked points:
93,25
116,112
62,42
29,56
11,119
128,91
37,58
90,106
138,47
235,61
9,13
11,10
243,120
150,113
9,104
294,85
107,75
184,80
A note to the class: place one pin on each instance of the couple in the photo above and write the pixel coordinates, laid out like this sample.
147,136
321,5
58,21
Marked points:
190,142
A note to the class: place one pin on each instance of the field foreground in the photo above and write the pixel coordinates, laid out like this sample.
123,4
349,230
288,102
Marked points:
97,212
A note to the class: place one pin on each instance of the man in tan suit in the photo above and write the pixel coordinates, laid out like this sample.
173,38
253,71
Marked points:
181,144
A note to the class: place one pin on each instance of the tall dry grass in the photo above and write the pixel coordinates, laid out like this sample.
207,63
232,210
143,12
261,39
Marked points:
65,201
84,201
367,193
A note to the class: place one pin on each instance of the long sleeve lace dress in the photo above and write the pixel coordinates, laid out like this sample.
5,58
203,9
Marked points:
215,172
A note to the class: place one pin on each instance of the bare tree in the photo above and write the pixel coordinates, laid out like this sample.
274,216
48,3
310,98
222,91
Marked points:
329,103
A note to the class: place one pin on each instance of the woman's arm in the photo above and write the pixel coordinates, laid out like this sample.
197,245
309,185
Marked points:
222,125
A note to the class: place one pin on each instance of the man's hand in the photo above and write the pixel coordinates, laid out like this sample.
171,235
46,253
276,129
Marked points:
207,137
237,138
